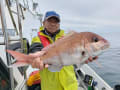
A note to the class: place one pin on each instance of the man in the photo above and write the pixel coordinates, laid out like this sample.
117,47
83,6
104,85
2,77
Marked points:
63,80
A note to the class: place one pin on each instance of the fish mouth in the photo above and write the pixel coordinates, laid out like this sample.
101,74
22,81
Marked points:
105,46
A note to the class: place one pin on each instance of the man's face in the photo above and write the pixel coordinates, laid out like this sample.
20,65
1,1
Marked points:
51,24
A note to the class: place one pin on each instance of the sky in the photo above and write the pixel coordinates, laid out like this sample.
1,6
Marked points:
88,15
81,15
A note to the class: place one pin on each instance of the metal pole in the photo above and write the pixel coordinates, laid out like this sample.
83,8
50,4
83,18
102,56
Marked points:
20,28
21,11
19,22
40,18
12,17
27,4
4,28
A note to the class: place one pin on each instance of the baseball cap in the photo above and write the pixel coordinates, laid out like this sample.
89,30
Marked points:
50,14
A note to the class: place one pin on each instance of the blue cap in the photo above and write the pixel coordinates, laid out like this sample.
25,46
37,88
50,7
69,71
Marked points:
50,14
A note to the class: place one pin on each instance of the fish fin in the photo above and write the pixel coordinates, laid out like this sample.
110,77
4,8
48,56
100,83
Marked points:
54,68
20,57
71,32
98,64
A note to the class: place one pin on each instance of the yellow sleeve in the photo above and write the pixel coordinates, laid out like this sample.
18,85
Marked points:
36,39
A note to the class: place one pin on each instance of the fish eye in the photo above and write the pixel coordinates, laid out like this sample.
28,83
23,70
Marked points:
95,39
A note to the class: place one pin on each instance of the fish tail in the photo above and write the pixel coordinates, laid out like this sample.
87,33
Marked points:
20,57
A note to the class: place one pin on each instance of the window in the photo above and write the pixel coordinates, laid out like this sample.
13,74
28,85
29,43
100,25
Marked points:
11,32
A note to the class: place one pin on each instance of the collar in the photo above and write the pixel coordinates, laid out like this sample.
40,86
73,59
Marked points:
51,34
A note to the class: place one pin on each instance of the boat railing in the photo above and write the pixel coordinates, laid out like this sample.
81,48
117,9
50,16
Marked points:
9,39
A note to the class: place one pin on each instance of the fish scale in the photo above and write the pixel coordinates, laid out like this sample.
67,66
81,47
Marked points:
74,48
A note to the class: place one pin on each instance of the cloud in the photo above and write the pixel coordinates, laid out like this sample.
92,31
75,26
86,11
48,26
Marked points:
85,13
88,23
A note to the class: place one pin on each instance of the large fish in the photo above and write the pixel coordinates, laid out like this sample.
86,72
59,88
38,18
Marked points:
74,48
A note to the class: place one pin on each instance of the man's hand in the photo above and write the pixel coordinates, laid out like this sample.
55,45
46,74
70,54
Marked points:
90,59
37,62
